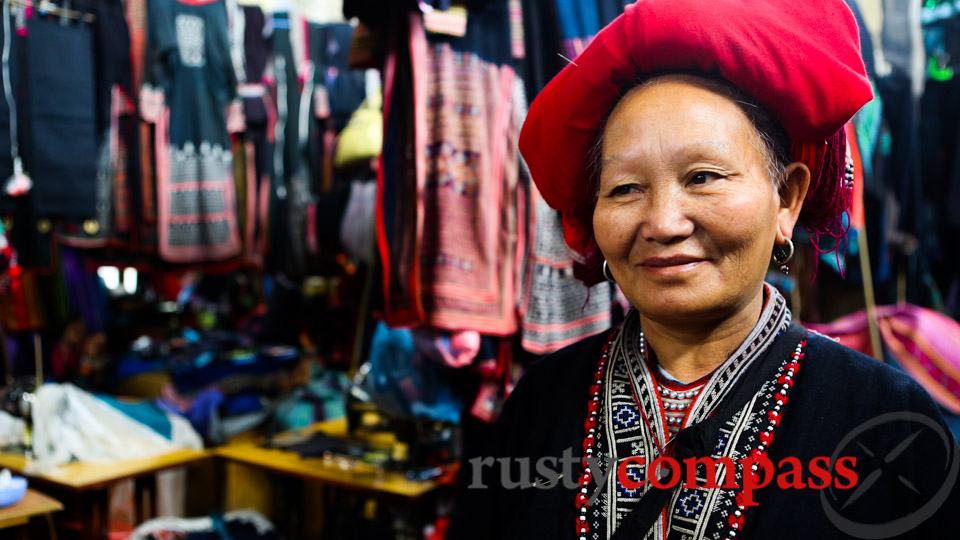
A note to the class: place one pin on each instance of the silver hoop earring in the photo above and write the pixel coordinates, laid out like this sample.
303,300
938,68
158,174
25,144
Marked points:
782,255
606,273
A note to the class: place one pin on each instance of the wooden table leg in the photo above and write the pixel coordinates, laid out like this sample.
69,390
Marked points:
220,484
52,530
103,504
88,508
95,506
145,488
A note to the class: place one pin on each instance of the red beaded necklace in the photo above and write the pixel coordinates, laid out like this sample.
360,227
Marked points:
788,369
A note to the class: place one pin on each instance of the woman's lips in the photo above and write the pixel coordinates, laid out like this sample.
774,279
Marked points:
669,266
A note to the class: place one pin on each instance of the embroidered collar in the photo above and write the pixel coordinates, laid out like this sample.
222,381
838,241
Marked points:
631,422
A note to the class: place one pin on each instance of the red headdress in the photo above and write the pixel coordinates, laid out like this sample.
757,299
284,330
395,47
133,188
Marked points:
799,60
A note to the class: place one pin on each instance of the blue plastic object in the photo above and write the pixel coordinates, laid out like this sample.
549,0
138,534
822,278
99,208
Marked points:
13,492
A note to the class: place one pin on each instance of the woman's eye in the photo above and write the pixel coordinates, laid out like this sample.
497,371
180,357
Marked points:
702,177
623,189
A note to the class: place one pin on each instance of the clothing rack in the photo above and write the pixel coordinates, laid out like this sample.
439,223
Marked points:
45,6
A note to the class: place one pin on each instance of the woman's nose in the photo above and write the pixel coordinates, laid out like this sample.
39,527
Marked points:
665,218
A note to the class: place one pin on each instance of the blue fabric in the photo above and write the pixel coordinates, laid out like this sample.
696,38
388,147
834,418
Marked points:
148,414
578,18
404,383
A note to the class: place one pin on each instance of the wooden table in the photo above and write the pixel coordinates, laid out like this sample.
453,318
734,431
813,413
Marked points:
33,504
368,479
363,479
88,483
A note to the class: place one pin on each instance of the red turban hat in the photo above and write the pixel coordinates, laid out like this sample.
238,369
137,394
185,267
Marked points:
799,60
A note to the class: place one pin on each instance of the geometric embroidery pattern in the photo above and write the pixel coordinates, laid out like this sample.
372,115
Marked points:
190,40
626,430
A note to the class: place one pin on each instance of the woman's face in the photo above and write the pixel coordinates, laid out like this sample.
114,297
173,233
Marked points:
686,214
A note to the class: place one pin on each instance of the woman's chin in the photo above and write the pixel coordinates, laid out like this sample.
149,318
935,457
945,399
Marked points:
681,304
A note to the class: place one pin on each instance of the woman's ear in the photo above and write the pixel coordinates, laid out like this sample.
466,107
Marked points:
792,195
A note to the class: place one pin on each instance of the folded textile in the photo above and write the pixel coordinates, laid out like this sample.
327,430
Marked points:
70,424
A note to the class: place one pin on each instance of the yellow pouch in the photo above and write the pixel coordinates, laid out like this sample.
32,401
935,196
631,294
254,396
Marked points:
362,137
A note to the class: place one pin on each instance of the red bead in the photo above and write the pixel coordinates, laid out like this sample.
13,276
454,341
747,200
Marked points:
582,528
792,365
780,397
591,423
734,520
581,500
585,479
774,417
784,379
594,389
766,437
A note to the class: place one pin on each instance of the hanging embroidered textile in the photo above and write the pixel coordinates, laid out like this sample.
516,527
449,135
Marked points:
190,82
557,309
448,230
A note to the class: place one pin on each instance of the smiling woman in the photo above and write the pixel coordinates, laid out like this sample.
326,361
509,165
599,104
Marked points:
682,189
687,213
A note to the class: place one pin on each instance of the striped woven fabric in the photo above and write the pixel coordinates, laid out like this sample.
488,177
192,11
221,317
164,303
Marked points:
923,343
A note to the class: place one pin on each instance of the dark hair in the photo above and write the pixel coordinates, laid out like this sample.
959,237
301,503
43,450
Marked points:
772,141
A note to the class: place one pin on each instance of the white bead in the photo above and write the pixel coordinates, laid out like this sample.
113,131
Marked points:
673,394
583,490
583,509
736,513
583,518
779,403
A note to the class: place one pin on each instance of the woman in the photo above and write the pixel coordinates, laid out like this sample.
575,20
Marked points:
682,147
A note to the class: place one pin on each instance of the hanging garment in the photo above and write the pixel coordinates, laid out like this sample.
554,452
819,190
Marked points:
63,119
13,71
260,116
189,93
399,208
357,228
289,185
115,111
557,309
464,181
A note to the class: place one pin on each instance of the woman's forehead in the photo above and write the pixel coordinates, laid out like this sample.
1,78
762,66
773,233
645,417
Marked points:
676,115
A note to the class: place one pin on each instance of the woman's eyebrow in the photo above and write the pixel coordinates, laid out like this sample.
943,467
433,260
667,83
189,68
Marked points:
697,148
